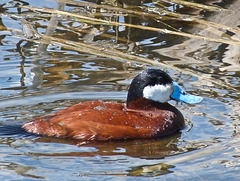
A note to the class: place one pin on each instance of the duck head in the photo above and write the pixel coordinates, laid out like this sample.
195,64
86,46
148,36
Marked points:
158,86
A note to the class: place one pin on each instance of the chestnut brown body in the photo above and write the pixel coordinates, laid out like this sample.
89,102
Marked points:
98,120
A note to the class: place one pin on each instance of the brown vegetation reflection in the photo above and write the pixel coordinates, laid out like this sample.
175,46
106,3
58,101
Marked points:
119,30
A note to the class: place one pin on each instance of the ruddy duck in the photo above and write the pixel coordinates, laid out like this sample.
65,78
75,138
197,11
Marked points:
146,113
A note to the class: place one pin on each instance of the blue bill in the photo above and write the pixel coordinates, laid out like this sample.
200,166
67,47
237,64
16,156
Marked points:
180,95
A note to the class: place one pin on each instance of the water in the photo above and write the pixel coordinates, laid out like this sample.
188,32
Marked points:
35,83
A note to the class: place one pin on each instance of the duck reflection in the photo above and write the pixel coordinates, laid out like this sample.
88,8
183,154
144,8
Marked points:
142,148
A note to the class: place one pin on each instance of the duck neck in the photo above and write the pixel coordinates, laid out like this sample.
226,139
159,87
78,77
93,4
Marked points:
143,104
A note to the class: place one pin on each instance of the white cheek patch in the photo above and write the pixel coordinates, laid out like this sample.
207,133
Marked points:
159,93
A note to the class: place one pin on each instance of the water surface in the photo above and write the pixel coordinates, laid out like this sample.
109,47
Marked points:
36,80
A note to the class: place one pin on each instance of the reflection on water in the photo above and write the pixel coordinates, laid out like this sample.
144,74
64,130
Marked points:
36,79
